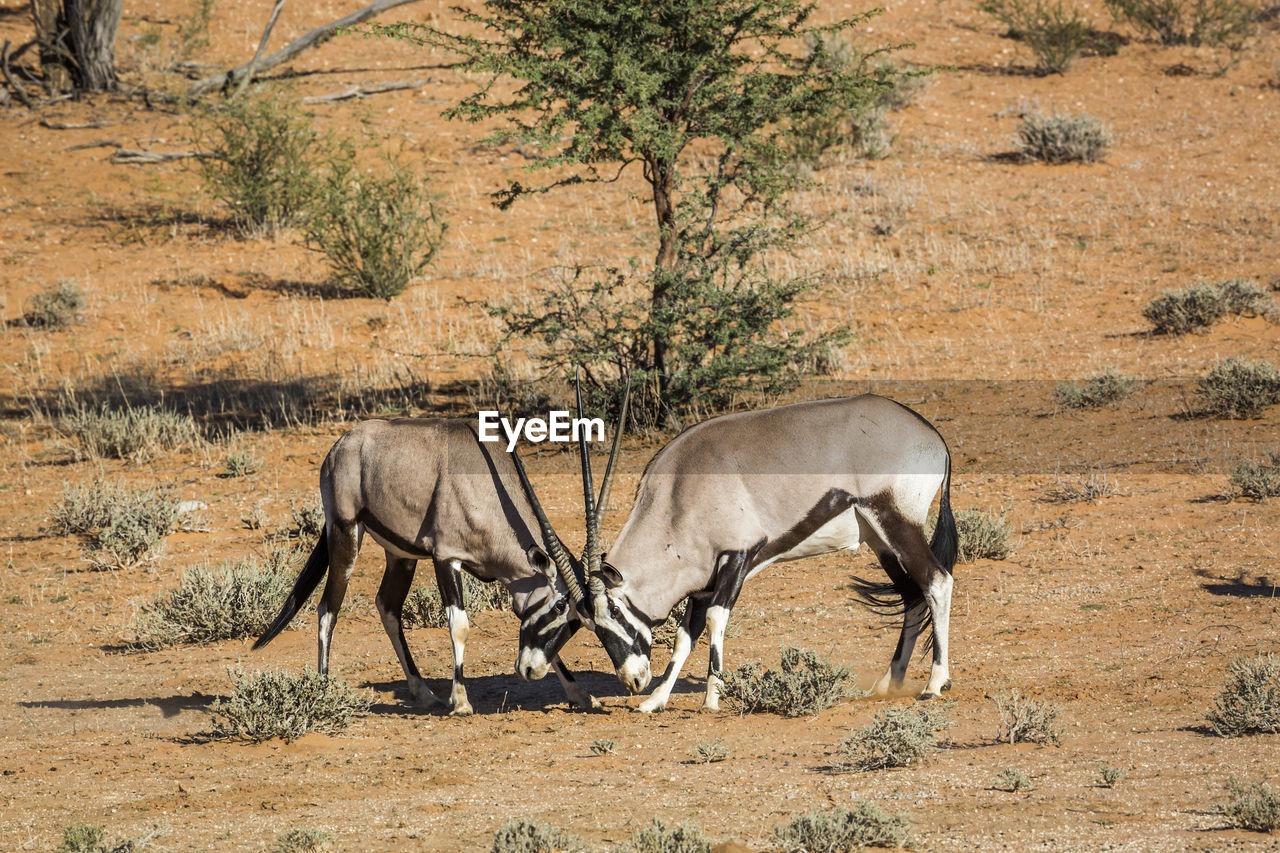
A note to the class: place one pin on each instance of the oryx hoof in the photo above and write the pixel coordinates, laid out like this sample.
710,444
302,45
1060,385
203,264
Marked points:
946,688
651,706
591,704
461,709
710,707
928,697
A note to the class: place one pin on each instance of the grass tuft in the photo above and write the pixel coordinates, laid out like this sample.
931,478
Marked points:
839,829
1256,480
274,704
1237,388
1084,488
521,835
1249,703
982,535
1013,780
1061,138
805,685
1027,720
1255,807
55,307
1102,390
137,434
121,527
236,600
897,737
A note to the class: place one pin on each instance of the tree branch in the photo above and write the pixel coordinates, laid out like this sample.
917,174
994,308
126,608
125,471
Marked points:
315,38
262,47
361,91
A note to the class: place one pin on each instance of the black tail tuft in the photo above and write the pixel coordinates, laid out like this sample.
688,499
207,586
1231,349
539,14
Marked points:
945,543
308,579
895,597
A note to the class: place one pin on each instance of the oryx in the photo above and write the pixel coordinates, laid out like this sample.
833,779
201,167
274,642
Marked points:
733,494
428,488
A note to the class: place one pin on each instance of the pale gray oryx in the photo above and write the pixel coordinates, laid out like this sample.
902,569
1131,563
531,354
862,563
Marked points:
427,488
736,493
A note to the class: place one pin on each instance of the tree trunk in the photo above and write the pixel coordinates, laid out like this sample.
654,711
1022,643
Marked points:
77,40
660,175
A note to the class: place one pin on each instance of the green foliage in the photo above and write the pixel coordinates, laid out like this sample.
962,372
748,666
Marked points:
238,599
703,95
1176,312
841,829
1255,807
135,433
241,463
1237,388
1249,703
262,159
1013,780
604,746
193,29
1256,480
1027,720
121,526
521,835
1108,776
1055,32
982,535
301,841
804,686
897,737
423,607
711,751
658,838
377,231
55,307
1060,138
1102,390
1215,23
273,704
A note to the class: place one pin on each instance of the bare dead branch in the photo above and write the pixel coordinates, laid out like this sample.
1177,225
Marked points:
262,48
101,143
8,78
75,125
312,39
361,91
135,157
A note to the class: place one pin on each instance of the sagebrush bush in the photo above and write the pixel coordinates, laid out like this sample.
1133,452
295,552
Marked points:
377,232
1215,23
82,838
603,746
1102,390
711,751
521,835
982,535
1255,806
1027,720
121,527
841,829
308,521
423,607
1238,388
301,841
1176,312
897,737
1256,480
1249,703
55,307
1059,138
264,159
1055,32
137,433
235,600
241,463
659,838
1108,776
1013,780
275,704
804,685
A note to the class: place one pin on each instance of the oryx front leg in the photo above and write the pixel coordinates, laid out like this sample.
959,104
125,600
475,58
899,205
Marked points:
731,572
390,603
450,581
691,627
938,596
572,689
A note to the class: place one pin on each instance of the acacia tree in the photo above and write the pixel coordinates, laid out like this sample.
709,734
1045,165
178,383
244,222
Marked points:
703,96
77,40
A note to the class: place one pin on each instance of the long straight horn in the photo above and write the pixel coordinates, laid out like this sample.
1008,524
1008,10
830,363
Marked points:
554,547
607,483
591,550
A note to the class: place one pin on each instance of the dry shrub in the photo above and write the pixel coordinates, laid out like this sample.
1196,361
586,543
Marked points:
1249,703
898,737
1237,388
658,838
1256,480
1060,138
840,829
1215,23
55,307
121,527
805,685
711,752
135,433
521,835
423,608
301,841
1088,487
1102,390
1013,780
1023,719
274,704
1176,312
1255,807
1055,32
982,535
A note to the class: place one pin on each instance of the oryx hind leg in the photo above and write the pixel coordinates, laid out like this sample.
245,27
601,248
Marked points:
572,689
392,593
691,627
915,613
344,546
449,579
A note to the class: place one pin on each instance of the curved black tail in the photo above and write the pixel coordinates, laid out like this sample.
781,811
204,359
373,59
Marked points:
945,543
308,579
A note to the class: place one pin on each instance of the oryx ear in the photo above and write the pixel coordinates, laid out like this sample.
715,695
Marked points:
612,577
541,562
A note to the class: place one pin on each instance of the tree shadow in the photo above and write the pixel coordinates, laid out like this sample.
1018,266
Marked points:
1261,586
170,706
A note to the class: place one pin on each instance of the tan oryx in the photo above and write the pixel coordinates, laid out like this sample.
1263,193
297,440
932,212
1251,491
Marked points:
736,493
427,488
